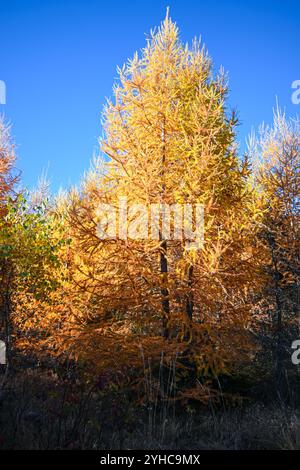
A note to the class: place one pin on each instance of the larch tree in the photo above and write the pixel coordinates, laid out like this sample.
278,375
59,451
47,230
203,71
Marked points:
28,252
7,186
171,143
277,169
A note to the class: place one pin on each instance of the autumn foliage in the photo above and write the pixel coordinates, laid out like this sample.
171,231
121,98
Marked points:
124,306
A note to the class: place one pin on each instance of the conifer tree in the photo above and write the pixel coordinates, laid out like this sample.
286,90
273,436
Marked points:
277,153
169,140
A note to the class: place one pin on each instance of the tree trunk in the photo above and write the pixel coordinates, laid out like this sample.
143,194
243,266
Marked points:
164,290
163,252
278,350
189,297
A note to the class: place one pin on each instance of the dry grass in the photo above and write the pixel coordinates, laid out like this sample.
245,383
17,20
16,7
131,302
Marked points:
38,410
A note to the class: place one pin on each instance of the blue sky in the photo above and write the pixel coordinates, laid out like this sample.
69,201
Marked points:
58,60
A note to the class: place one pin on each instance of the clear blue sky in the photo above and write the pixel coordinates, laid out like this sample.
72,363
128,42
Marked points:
59,58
